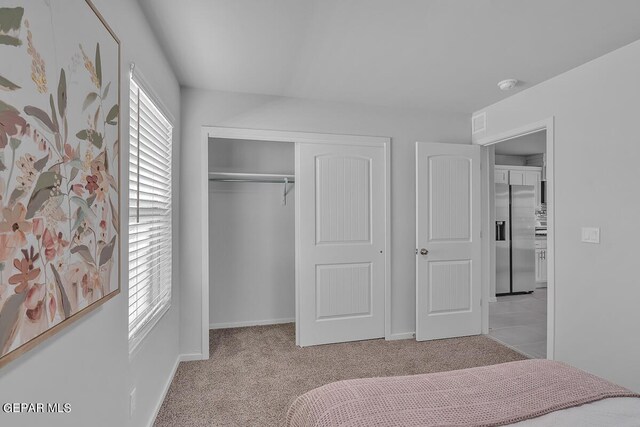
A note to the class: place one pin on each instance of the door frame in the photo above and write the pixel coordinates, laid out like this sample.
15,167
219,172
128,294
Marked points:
488,219
294,137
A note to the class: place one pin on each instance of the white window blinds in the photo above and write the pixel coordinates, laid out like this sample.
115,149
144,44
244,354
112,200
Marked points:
149,213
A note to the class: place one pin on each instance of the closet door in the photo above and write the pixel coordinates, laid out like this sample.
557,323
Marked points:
340,243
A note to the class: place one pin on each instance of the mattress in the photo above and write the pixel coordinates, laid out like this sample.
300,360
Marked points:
524,393
614,412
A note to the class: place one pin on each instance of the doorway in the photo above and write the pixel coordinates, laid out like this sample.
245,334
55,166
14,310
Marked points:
519,267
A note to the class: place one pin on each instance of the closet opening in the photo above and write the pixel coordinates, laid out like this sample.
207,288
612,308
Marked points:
251,232
297,230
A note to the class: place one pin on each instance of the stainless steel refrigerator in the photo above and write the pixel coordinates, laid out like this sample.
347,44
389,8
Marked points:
515,239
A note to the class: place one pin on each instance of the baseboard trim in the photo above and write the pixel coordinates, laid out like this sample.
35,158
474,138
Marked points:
508,346
165,390
191,357
493,299
243,324
401,336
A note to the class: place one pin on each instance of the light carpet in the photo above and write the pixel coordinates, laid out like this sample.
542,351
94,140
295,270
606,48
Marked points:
253,374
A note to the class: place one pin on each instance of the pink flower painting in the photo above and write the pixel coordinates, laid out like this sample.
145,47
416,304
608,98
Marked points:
59,168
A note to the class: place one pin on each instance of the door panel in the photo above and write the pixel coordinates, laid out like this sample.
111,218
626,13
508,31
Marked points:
449,180
450,286
448,280
341,259
343,290
343,190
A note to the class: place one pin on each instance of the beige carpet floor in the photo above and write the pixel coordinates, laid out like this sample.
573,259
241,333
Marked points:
254,373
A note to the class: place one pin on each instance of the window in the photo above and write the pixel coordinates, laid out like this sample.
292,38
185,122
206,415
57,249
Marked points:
150,135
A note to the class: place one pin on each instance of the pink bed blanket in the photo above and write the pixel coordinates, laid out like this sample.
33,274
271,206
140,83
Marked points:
485,396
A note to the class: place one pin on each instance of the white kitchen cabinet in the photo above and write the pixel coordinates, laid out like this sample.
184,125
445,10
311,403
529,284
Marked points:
534,178
516,177
538,265
541,263
520,175
501,176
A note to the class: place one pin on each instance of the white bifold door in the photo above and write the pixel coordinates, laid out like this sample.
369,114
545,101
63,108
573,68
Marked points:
340,195
448,254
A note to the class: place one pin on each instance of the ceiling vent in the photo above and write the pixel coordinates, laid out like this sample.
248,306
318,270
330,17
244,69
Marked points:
479,123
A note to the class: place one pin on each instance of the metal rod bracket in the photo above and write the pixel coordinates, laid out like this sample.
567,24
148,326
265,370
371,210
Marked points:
284,191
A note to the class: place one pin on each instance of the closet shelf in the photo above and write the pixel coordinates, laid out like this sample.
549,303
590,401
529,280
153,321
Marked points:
277,178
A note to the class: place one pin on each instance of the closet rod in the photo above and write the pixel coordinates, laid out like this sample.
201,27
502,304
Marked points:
255,177
251,177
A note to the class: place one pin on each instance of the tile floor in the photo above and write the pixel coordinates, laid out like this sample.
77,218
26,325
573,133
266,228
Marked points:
520,322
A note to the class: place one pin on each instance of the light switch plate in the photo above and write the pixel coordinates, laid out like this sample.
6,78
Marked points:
591,234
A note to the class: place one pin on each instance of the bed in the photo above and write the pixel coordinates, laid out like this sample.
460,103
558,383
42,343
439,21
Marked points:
528,393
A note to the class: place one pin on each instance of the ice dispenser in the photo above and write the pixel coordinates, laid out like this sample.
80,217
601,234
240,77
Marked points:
500,231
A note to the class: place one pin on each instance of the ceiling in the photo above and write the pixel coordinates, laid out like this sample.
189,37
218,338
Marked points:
533,143
439,54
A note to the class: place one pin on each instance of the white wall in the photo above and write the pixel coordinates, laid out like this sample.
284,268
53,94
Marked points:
596,109
251,236
88,364
510,160
404,126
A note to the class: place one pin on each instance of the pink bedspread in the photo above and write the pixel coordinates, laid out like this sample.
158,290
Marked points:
485,396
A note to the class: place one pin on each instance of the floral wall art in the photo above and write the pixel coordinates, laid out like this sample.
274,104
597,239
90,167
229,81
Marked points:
59,168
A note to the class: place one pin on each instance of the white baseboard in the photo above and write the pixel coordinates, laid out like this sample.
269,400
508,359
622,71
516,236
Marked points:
165,390
250,323
191,357
493,299
507,345
401,336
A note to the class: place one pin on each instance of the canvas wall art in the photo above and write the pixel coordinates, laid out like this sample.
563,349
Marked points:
59,168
